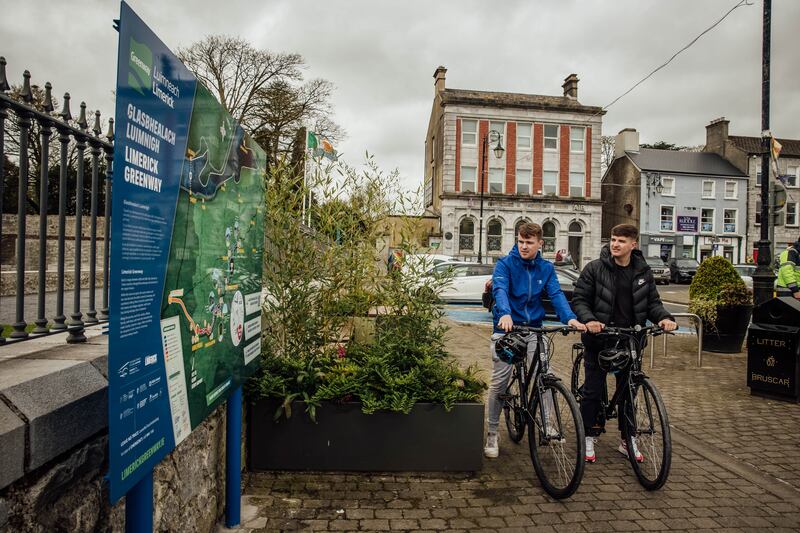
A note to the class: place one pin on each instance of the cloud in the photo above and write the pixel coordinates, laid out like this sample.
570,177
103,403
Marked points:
381,57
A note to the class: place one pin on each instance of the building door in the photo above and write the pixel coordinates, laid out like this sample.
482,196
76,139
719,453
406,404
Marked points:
704,254
666,252
575,242
727,252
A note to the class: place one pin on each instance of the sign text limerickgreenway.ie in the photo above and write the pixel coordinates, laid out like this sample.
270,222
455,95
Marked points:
139,461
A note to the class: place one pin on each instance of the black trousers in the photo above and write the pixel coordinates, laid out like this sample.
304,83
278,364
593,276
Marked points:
595,379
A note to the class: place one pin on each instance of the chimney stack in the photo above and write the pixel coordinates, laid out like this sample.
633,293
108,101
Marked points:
627,140
716,135
439,77
571,86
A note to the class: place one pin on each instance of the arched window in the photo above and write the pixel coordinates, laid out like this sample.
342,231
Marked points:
549,236
466,235
575,227
518,224
494,236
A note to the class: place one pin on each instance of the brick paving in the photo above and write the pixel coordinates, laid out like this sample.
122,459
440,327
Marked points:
711,405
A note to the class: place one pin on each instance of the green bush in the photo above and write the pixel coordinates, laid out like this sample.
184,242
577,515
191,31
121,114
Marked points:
318,277
716,284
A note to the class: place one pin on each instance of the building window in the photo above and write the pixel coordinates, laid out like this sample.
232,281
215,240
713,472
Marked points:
494,236
667,218
708,189
549,236
518,224
469,132
550,137
688,251
523,181
576,183
499,127
496,180
758,212
524,136
550,182
729,220
466,235
468,179
668,185
758,177
575,227
791,181
792,209
731,188
707,220
577,137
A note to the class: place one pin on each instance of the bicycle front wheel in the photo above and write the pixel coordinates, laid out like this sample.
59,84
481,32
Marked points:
556,440
512,409
650,428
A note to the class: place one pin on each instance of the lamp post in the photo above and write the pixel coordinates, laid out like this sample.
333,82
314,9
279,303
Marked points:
493,136
763,277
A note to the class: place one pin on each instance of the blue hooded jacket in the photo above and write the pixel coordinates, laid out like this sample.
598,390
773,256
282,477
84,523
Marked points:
518,286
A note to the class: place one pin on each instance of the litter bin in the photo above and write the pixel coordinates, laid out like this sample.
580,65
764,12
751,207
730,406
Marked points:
773,349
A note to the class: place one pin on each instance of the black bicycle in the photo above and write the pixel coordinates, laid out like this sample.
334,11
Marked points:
646,416
536,399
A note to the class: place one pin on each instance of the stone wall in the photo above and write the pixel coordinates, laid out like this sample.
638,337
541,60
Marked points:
52,476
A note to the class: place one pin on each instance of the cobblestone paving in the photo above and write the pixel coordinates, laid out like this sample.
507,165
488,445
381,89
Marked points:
711,404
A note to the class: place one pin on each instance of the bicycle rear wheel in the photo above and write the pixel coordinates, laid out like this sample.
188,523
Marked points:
512,408
557,443
651,429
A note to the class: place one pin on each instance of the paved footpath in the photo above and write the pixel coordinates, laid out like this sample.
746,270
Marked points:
735,468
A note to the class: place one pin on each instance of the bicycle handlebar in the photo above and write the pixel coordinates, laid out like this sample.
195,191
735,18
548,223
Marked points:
652,330
546,329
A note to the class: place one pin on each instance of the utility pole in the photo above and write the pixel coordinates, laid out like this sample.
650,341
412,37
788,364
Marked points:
763,277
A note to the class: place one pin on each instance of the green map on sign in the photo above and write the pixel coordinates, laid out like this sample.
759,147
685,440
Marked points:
216,254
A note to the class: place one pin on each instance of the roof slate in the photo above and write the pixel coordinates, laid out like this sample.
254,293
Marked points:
530,101
752,145
703,163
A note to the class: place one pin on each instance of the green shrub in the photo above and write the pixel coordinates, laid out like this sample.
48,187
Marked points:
317,277
716,284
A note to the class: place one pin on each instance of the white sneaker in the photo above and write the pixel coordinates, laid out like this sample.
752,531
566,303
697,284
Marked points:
623,449
590,456
492,448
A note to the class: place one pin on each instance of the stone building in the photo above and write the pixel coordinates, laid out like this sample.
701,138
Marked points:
549,172
685,204
745,154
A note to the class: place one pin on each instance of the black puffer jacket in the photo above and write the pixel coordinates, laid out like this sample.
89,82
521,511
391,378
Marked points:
595,291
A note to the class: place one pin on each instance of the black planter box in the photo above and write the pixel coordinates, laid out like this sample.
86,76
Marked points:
732,322
344,438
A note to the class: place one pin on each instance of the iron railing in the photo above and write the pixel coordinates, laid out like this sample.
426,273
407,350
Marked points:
28,114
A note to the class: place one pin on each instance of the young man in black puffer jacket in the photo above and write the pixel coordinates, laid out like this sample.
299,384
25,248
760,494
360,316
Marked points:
616,290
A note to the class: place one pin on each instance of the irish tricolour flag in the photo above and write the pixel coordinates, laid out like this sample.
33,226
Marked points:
320,146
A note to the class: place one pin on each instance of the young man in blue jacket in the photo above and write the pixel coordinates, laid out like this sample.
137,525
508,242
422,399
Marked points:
519,281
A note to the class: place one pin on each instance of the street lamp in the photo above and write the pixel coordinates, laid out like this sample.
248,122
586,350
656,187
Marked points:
493,136
654,182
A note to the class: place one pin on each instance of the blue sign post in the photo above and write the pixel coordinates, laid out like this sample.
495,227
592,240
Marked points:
185,273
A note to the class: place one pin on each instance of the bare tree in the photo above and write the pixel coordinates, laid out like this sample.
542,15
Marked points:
606,152
264,91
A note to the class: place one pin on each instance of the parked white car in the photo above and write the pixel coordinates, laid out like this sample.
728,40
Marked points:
746,272
467,283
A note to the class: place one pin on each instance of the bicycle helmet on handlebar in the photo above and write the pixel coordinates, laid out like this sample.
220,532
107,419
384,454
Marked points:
511,348
613,359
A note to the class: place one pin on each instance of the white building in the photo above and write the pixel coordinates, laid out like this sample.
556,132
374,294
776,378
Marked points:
549,172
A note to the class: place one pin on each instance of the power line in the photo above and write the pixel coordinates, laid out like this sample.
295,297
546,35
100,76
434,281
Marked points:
676,54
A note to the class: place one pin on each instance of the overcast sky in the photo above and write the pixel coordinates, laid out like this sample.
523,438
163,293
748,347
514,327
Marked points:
381,57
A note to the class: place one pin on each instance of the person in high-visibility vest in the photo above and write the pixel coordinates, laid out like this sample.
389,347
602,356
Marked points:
788,283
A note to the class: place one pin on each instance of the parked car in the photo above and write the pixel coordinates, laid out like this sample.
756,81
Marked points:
413,262
467,283
746,272
660,269
682,269
567,277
